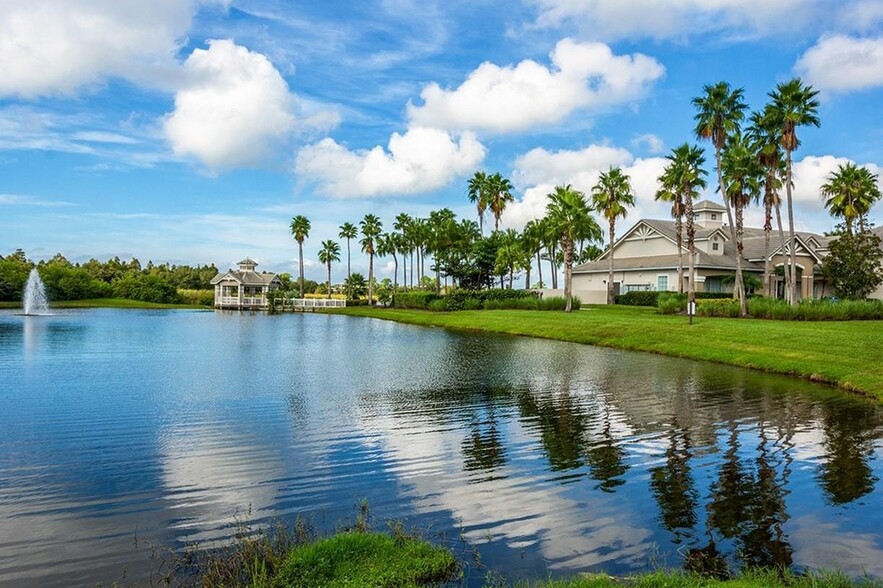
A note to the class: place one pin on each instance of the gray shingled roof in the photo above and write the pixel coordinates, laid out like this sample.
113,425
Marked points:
708,205
247,278
247,261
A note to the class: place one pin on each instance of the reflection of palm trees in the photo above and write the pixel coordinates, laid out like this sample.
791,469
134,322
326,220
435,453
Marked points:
849,443
483,447
673,486
605,458
562,423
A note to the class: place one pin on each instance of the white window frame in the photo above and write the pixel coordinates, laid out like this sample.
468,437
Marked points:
658,277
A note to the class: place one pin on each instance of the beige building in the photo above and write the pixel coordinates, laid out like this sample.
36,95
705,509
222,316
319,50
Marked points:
245,288
646,258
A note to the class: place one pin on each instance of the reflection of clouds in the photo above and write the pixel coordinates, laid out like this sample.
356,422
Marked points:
839,549
514,505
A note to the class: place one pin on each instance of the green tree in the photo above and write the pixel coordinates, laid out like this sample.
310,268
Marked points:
686,171
793,105
570,220
477,190
354,286
348,231
388,244
330,252
300,229
499,194
402,224
14,270
610,198
669,191
853,265
742,176
849,193
720,111
371,228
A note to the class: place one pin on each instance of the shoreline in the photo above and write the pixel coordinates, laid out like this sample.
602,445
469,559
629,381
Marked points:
109,303
836,353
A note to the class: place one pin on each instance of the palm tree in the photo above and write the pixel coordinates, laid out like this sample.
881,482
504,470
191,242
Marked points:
793,105
610,197
510,255
330,252
478,194
500,194
720,110
742,176
348,231
669,191
687,173
849,194
763,137
532,237
570,219
403,224
388,244
300,229
371,227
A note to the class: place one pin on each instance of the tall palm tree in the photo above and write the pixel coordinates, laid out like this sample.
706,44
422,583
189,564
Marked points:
532,237
300,229
742,183
793,105
685,166
500,194
388,244
550,242
403,224
719,113
371,228
610,198
669,191
330,252
849,194
763,136
570,219
348,231
477,191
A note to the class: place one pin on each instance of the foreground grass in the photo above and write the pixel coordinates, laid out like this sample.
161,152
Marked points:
845,354
754,579
104,303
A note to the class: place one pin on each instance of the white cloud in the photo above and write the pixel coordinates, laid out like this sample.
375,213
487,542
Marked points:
652,143
615,19
48,47
841,64
812,171
234,109
583,76
420,160
539,171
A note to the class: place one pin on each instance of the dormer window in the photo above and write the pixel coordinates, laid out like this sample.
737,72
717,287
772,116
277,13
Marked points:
713,216
715,246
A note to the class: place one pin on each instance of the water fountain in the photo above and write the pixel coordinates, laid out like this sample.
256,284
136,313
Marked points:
34,300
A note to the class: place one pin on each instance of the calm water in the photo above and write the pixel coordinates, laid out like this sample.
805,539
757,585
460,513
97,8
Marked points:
125,429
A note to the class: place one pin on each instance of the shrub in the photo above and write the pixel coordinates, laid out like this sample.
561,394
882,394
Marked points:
671,303
437,305
414,299
145,287
197,297
359,302
724,308
470,303
642,298
816,310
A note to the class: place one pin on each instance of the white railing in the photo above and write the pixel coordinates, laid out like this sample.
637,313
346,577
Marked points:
313,303
246,301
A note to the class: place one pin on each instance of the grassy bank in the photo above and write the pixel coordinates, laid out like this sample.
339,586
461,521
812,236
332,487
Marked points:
105,303
845,354
757,579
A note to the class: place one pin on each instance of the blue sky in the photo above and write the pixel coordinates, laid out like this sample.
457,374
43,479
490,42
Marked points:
191,131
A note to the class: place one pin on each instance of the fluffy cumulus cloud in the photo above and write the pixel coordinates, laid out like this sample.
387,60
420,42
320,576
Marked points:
419,160
615,19
841,63
47,46
538,171
233,109
813,171
582,76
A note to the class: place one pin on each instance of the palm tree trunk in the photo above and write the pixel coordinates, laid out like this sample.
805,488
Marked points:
786,273
348,268
720,185
300,257
527,276
792,241
568,267
691,251
767,229
511,276
328,290
679,227
539,267
740,280
371,279
395,274
610,265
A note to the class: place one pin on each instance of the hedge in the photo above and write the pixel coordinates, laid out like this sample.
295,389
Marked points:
651,297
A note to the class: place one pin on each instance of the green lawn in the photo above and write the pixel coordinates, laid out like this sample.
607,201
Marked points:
846,354
104,303
759,579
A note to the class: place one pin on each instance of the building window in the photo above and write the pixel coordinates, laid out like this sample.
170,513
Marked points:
715,246
696,216
713,216
662,283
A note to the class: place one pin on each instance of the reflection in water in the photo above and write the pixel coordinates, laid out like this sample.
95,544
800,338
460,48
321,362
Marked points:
552,458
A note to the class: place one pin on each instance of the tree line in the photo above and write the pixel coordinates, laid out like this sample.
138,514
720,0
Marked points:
65,280
753,160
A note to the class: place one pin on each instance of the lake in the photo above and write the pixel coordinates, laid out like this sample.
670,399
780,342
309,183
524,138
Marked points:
126,431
